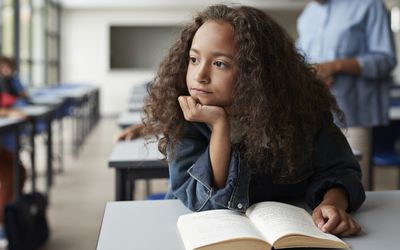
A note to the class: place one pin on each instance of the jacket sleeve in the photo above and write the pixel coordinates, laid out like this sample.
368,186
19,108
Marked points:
335,166
381,57
191,175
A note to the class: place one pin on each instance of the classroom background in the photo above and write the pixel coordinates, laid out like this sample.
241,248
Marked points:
88,62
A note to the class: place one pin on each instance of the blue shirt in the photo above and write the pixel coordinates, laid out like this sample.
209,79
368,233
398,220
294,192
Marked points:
357,29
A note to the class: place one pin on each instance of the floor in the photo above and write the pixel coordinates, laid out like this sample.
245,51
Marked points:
80,193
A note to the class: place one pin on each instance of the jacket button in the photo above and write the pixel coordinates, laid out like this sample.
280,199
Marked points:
240,205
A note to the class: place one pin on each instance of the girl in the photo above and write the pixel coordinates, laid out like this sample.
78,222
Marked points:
245,120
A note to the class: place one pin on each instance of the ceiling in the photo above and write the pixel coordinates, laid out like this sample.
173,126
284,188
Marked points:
263,4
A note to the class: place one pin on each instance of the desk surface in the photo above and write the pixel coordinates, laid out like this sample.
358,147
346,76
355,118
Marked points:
135,153
129,118
8,123
152,224
36,111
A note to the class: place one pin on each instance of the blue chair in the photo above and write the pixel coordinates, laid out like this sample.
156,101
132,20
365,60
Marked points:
156,196
385,149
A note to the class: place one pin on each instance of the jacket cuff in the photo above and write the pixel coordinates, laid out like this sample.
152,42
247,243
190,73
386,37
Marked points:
353,188
202,172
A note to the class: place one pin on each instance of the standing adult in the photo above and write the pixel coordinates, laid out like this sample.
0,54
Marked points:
352,47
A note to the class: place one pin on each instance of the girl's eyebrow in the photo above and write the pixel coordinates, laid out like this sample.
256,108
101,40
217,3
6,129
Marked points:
216,54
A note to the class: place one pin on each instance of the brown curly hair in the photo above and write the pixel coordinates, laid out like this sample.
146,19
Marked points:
275,92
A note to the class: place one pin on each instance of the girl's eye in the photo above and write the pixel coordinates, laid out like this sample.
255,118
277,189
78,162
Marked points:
193,60
220,64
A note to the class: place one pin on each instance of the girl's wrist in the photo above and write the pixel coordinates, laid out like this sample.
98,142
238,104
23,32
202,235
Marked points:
336,197
221,123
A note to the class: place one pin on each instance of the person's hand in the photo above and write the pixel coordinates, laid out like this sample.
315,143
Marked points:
129,133
334,220
196,112
326,71
14,113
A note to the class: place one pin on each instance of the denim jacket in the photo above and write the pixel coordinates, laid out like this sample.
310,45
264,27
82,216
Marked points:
332,165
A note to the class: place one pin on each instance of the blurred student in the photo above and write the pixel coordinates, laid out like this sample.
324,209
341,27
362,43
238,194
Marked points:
6,172
351,46
12,92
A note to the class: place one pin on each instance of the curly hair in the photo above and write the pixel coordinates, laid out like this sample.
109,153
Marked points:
275,93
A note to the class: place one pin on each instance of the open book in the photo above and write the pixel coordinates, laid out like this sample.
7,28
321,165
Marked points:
265,225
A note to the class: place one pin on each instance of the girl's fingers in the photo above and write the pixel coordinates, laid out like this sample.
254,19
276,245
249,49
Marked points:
318,218
353,229
342,227
333,219
184,106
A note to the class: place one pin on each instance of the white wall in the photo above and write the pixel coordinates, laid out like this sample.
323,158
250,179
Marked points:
85,47
85,50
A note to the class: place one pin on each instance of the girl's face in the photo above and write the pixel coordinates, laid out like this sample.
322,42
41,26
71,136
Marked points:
212,71
5,70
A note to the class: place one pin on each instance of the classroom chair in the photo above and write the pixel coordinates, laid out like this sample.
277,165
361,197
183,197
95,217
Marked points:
156,196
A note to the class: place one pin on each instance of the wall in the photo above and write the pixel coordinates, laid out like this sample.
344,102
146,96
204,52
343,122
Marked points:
85,47
85,50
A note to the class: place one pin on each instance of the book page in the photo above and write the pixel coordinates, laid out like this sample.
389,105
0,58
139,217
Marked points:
208,227
275,219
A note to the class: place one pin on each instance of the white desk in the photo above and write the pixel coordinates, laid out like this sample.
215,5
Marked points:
135,160
127,119
151,225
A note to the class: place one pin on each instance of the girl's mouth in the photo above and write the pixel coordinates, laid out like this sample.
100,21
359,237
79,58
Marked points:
200,91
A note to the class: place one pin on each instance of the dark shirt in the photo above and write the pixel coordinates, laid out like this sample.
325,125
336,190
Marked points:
332,165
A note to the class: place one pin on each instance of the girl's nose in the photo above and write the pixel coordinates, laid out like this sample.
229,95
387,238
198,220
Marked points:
202,75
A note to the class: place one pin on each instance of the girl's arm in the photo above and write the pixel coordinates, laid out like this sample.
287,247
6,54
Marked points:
220,146
220,150
335,188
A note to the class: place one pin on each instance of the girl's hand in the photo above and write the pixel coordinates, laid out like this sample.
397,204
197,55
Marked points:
334,220
196,112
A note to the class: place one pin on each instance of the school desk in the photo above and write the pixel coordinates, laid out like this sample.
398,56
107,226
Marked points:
151,225
81,103
41,115
135,160
59,105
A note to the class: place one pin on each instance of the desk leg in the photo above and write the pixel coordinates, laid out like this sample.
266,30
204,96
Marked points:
33,155
49,180
130,188
120,184
17,167
61,144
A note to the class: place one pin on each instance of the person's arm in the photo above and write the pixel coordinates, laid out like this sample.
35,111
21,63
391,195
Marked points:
129,133
381,57
377,62
3,112
335,188
220,145
12,113
327,70
190,171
